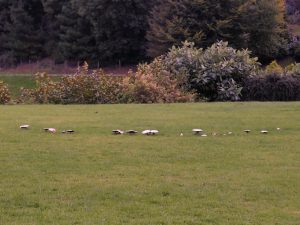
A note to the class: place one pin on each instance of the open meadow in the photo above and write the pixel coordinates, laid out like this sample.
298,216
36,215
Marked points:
93,177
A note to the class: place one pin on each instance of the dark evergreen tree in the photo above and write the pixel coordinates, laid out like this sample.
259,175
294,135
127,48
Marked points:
76,41
119,28
110,31
4,15
51,26
35,9
23,38
4,19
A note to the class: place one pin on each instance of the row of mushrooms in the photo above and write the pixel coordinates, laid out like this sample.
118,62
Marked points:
133,132
199,132
48,130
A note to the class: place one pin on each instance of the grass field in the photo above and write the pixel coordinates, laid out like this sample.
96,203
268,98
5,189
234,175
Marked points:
93,177
16,82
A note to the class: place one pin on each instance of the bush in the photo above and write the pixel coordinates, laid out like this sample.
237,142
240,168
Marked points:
152,84
183,63
43,93
4,93
294,70
295,18
272,87
95,88
297,51
274,67
217,73
80,88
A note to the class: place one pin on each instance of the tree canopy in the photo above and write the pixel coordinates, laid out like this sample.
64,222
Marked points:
255,24
131,31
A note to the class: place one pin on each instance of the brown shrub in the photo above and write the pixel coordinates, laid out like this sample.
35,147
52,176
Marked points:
152,84
4,93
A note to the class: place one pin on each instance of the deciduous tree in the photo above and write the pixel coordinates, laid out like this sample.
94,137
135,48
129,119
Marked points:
255,24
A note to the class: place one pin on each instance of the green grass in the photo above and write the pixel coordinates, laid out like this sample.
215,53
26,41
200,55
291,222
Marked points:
16,82
93,177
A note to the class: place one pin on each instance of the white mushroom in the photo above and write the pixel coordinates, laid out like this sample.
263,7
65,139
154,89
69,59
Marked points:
204,135
24,127
131,132
197,131
68,131
230,133
50,130
146,132
117,132
154,132
264,132
247,131
278,129
150,132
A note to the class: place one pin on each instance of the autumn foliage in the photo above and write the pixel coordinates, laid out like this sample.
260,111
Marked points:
4,93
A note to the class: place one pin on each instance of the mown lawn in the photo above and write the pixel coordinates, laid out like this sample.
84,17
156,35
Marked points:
93,177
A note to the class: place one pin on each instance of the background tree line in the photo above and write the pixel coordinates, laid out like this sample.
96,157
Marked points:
130,31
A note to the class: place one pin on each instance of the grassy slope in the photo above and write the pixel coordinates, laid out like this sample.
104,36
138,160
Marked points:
93,177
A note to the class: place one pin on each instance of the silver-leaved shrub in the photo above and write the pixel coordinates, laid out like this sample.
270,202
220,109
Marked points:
216,73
